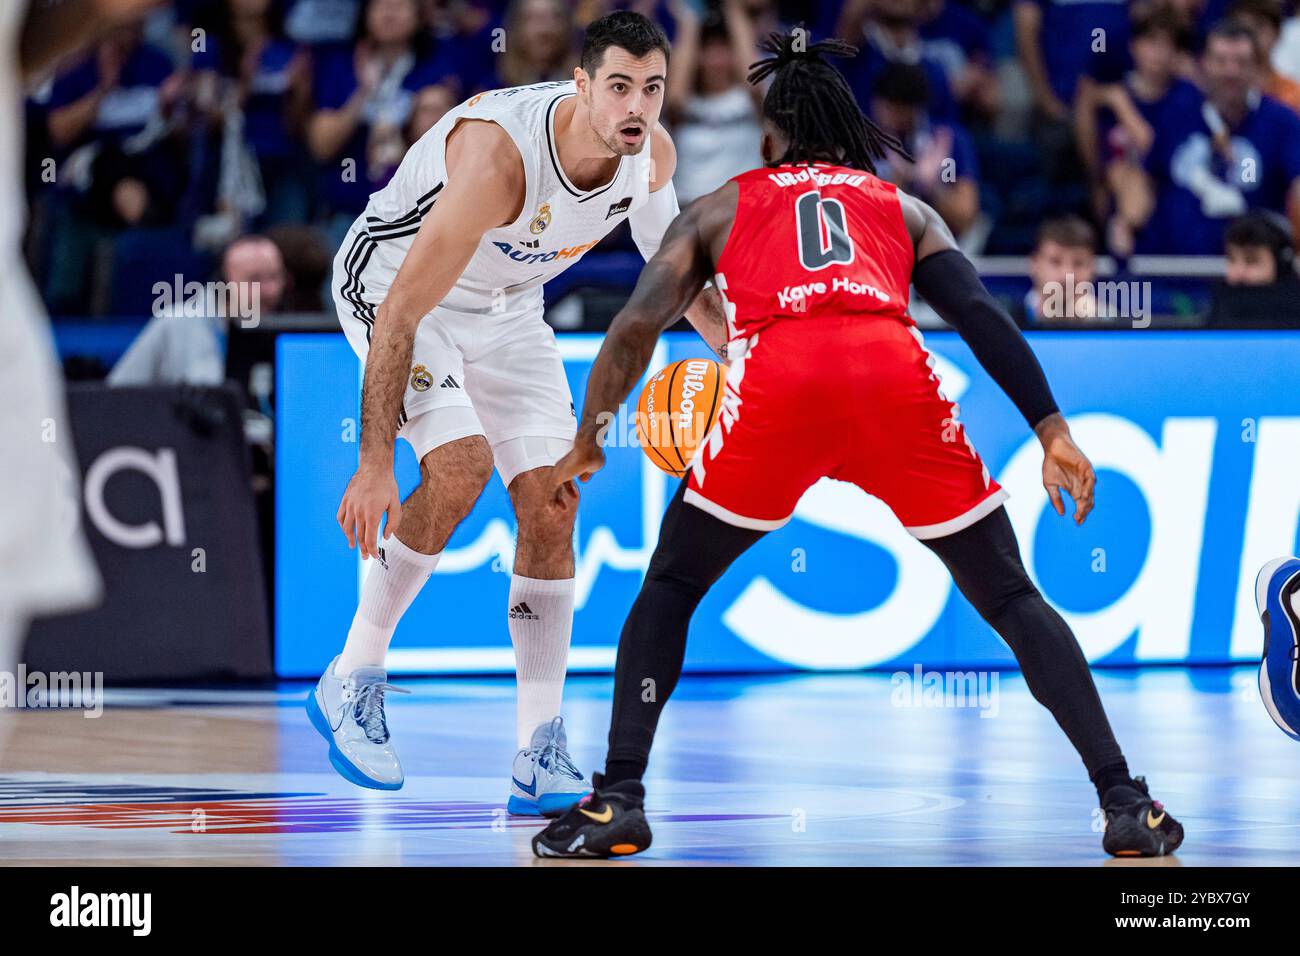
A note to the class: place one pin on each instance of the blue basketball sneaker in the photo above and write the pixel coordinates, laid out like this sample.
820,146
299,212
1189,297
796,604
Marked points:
545,781
1277,596
349,713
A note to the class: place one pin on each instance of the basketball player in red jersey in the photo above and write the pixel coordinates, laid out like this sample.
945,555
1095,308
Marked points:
814,256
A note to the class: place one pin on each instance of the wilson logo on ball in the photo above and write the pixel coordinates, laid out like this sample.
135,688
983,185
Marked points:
677,409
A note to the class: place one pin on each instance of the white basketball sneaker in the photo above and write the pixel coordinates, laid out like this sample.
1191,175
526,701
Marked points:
545,781
349,713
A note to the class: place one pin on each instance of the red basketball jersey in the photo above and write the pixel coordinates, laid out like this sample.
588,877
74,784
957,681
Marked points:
827,374
812,241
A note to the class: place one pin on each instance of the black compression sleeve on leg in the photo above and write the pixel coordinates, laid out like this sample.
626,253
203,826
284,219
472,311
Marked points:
694,550
949,283
984,561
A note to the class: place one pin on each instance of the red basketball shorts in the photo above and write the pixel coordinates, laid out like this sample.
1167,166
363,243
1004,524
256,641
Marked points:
854,399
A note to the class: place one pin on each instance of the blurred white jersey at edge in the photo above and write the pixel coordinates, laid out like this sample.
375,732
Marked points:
45,564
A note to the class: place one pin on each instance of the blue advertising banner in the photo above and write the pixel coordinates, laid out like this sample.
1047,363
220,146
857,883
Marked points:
1195,437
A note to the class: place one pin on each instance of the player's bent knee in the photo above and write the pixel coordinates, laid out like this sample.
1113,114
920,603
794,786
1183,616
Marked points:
675,582
543,518
466,463
525,463
997,597
680,571
540,517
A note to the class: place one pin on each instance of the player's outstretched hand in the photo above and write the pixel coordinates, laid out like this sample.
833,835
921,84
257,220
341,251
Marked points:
371,493
584,459
1065,466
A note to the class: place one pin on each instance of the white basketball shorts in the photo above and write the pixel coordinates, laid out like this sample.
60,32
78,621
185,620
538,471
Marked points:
496,374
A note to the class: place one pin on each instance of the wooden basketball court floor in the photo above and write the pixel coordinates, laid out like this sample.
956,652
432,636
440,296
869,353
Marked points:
788,770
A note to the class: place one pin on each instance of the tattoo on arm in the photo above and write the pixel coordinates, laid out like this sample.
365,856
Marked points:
709,318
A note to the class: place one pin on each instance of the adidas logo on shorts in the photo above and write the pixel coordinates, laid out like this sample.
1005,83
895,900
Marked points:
449,382
522,612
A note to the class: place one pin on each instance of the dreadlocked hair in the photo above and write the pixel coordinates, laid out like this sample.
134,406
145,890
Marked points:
810,102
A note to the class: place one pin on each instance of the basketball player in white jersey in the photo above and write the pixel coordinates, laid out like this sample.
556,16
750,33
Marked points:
439,289
45,565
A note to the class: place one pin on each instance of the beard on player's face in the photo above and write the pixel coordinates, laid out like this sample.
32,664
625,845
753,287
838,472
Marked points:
615,137
622,135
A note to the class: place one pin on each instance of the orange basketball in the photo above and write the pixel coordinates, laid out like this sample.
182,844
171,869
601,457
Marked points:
677,408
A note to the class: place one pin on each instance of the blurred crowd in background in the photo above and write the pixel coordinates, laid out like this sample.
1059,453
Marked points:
1056,130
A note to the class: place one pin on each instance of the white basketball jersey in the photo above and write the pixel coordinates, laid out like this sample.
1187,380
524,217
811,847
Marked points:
45,564
559,221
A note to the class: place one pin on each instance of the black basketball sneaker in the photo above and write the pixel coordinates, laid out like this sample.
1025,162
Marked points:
609,821
1136,825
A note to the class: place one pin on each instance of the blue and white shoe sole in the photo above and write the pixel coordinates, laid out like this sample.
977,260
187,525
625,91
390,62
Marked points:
346,768
1276,621
548,805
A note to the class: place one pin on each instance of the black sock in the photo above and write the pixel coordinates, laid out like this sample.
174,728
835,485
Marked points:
618,771
1112,775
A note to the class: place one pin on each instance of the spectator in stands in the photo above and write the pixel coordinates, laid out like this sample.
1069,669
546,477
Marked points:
317,22
1059,41
431,104
958,38
1062,271
765,17
1116,123
585,11
254,86
465,36
110,122
1260,287
945,171
117,102
888,31
1264,18
308,265
179,349
712,111
539,37
364,96
1240,151
1200,16
1258,248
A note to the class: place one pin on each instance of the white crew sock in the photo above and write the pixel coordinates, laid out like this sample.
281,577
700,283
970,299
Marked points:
541,622
390,587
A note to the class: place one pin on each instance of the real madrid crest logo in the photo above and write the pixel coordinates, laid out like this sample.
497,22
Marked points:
541,220
421,380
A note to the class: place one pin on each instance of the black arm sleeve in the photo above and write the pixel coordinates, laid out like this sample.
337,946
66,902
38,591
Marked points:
949,283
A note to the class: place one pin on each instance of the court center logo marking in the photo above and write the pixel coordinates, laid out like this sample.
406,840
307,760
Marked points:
234,811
